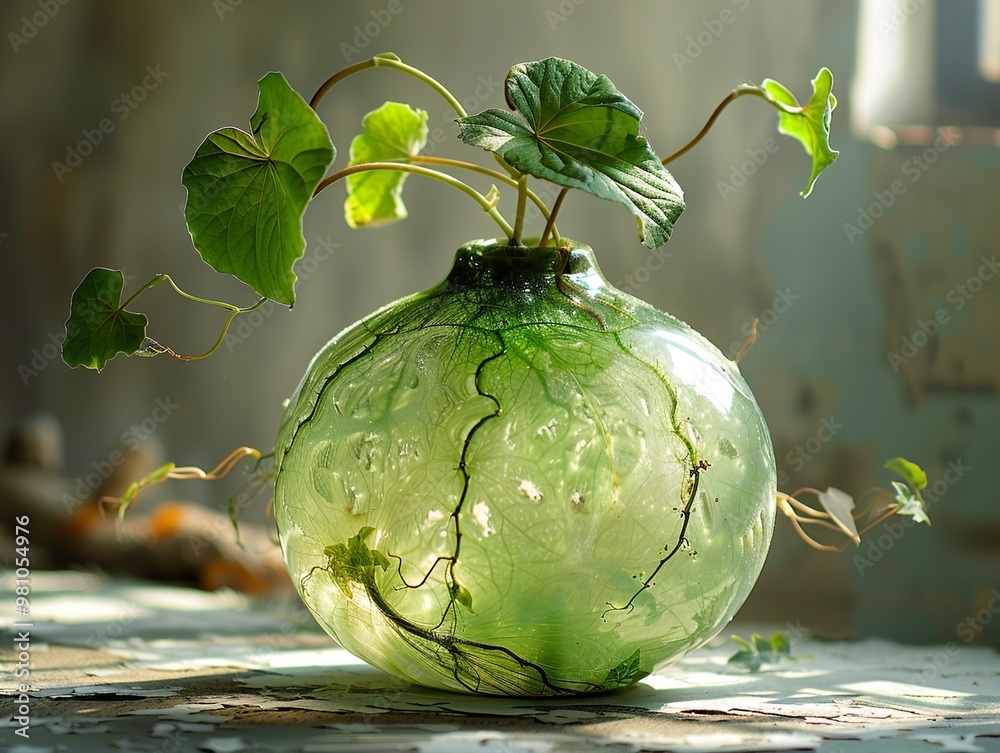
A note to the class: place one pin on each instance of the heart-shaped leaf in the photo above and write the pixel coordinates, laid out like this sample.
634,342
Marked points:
393,133
912,473
577,130
247,192
99,328
810,125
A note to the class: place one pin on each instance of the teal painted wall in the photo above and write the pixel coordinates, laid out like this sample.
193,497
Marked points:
822,362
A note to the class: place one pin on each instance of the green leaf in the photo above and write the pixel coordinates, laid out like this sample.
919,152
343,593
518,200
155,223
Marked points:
761,645
811,124
912,473
463,597
577,130
742,642
627,672
336,552
780,645
394,132
359,554
759,651
247,192
911,503
749,659
354,562
99,328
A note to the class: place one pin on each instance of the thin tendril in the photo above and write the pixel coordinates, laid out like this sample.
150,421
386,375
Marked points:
155,348
732,97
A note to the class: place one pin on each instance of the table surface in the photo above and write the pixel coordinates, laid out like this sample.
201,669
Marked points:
131,666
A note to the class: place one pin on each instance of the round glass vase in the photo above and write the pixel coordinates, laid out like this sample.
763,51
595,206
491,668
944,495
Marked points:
523,481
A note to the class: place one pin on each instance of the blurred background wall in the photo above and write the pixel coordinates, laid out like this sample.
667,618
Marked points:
847,284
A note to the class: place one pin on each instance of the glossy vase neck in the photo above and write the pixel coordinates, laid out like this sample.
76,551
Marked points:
495,263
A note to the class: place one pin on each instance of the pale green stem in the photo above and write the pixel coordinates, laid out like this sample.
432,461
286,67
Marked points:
234,311
735,94
387,62
550,226
446,161
522,203
488,206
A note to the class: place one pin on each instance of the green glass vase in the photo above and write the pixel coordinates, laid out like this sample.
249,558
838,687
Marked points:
523,481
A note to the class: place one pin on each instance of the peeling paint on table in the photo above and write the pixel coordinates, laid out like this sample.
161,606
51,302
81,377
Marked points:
132,666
